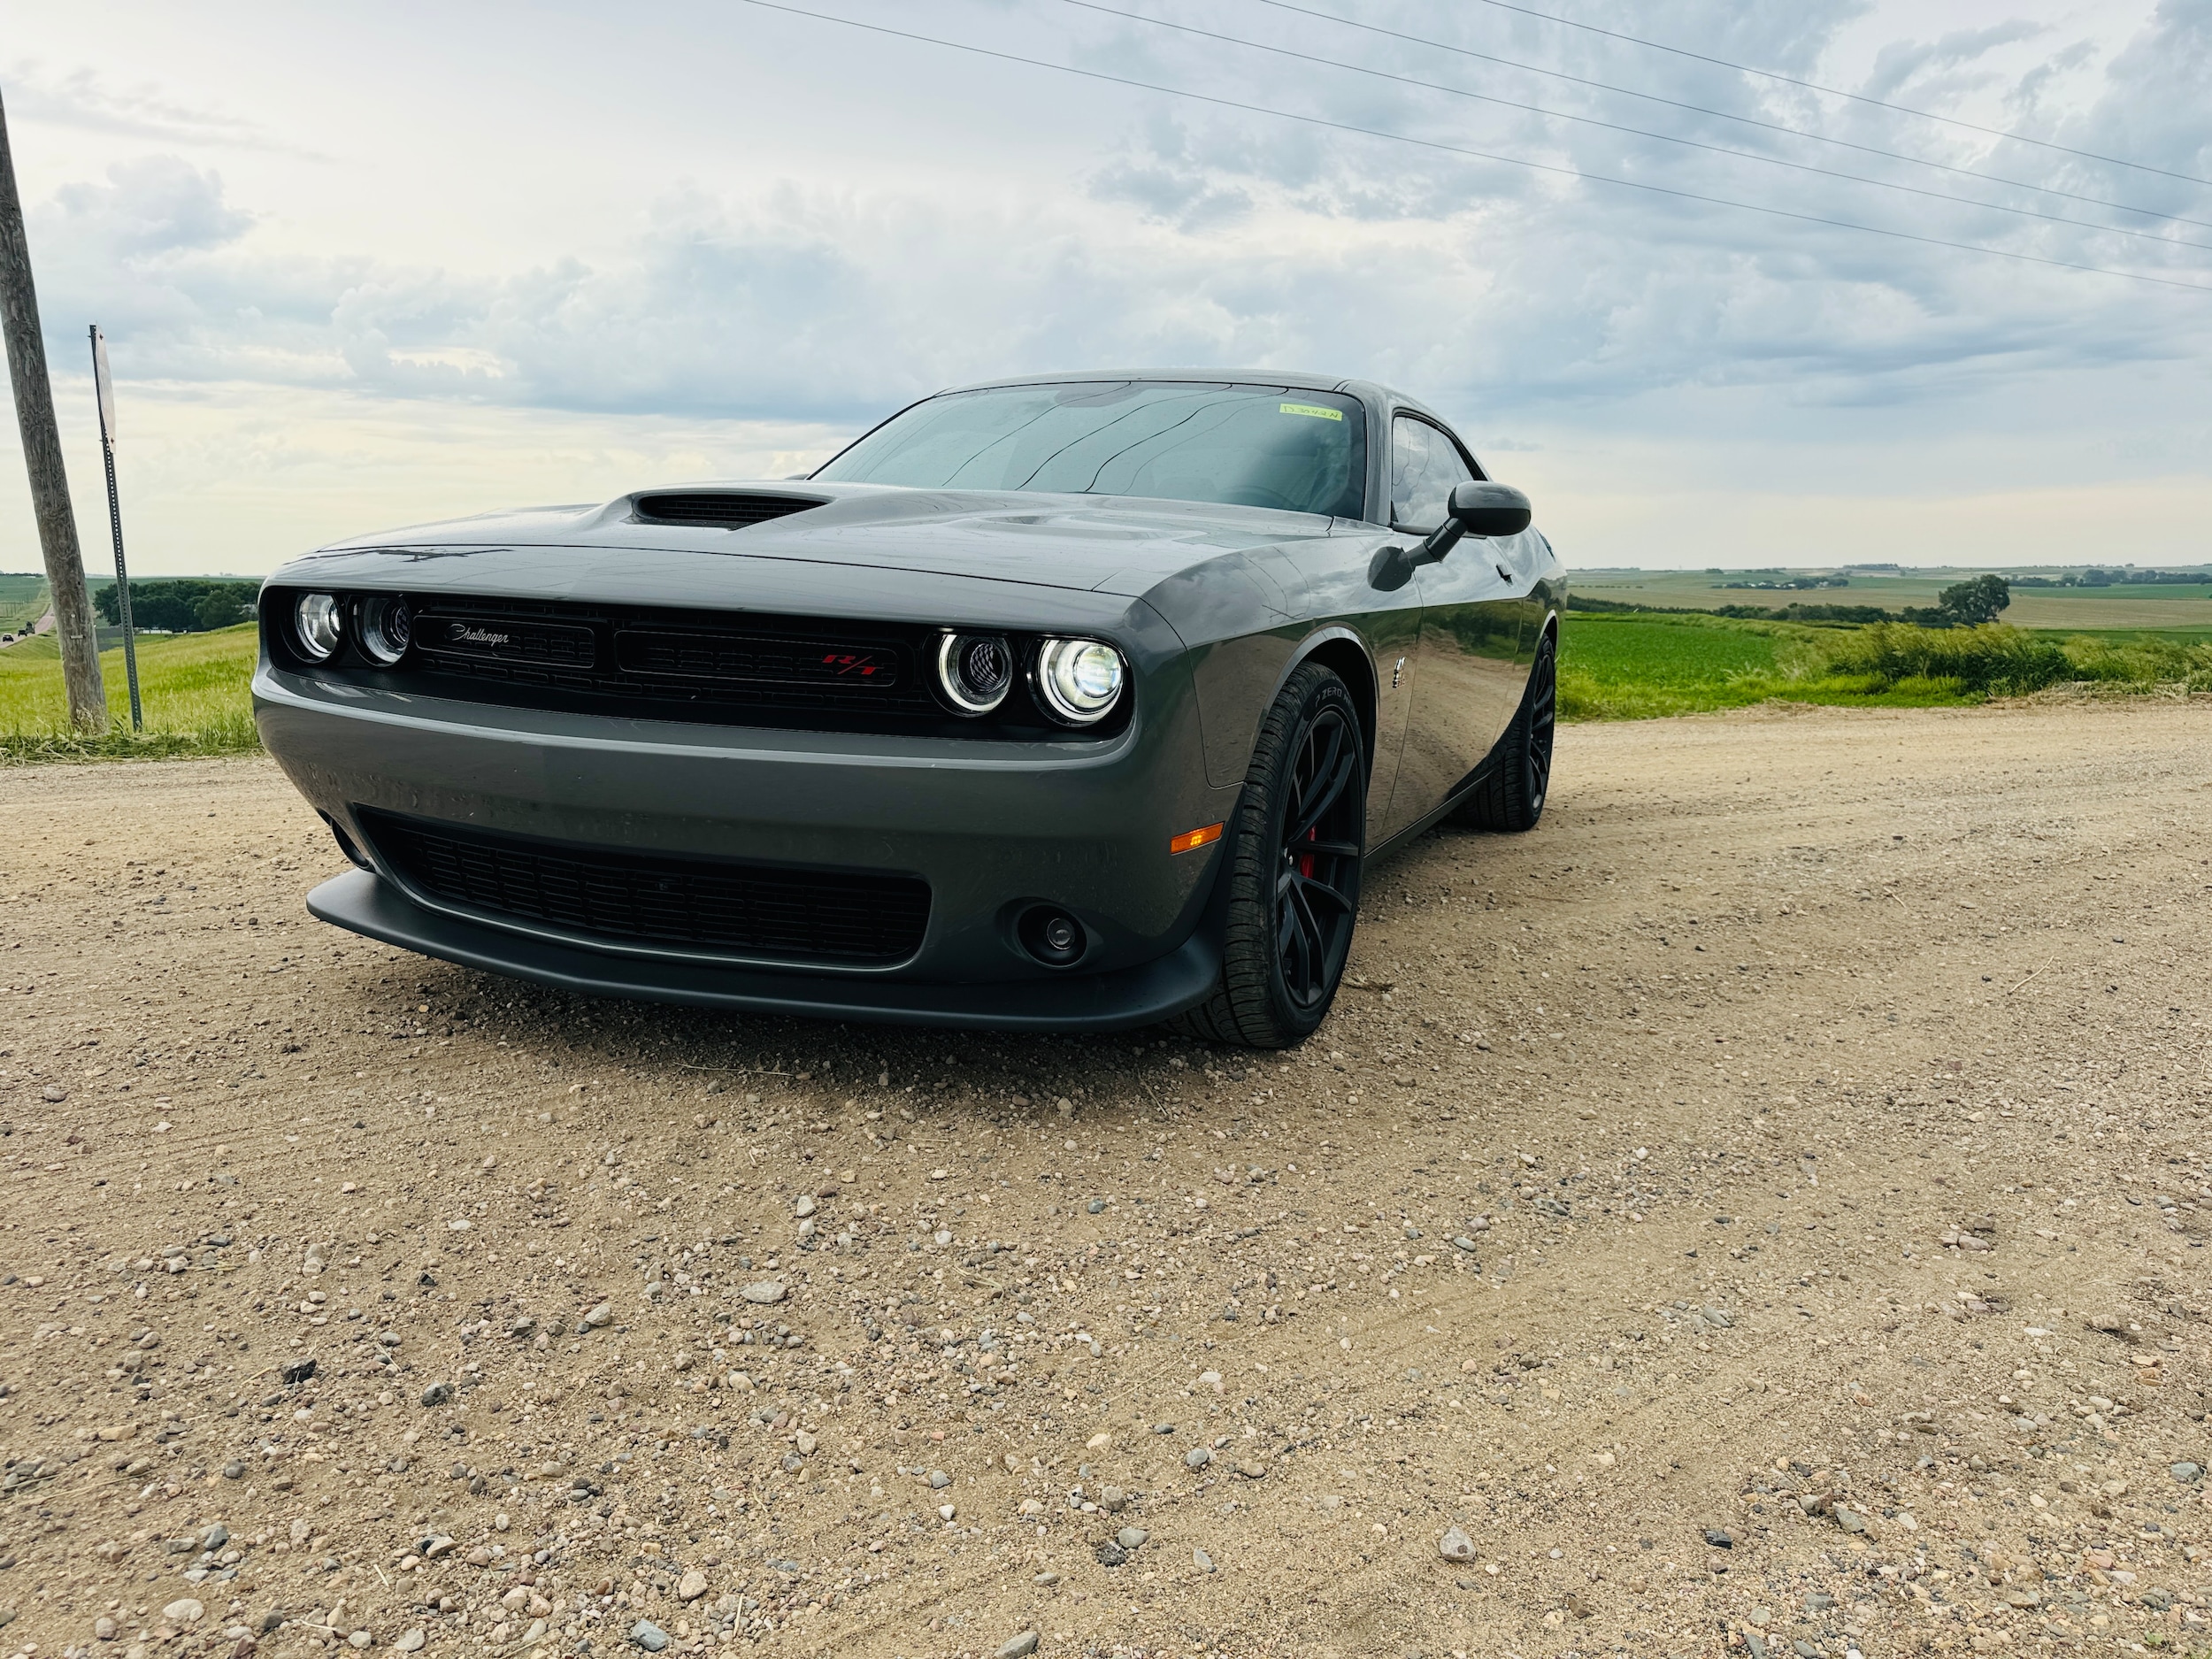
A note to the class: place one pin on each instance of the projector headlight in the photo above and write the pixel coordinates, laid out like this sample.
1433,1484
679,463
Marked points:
974,671
318,625
1080,681
386,627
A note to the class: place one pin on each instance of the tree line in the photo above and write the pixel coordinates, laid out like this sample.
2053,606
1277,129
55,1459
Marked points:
181,604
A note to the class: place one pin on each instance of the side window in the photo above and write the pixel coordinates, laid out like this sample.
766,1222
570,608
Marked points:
1425,467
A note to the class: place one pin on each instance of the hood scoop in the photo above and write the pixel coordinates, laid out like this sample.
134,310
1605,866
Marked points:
719,509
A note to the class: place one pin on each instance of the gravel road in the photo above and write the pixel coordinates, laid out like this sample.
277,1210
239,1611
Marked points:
1759,1212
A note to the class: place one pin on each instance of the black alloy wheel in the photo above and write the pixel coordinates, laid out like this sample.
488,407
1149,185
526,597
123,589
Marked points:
1512,793
1293,871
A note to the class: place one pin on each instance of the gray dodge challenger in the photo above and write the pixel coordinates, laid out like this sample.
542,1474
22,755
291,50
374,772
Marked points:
1077,702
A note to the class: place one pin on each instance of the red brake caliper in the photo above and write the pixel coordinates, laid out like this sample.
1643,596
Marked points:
1305,860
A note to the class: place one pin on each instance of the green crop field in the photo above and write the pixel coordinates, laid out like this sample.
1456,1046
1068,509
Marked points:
193,688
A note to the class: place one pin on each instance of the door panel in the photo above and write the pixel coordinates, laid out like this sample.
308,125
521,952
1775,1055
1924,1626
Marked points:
1466,681
1469,681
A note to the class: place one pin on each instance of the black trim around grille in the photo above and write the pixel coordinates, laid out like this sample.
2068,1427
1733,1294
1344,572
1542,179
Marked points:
753,911
718,510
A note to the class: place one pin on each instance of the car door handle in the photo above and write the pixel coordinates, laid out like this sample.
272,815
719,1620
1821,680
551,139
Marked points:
1505,575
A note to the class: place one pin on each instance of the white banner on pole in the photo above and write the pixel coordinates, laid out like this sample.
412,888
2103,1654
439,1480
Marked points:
104,384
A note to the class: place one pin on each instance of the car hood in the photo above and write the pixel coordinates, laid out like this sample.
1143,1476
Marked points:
1121,545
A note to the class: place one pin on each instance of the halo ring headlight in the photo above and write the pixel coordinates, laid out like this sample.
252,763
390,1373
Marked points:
1080,681
385,627
318,625
974,671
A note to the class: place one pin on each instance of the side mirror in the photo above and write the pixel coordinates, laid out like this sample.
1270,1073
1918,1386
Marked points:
1490,510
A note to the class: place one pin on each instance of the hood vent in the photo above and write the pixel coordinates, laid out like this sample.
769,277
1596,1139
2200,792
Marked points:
719,510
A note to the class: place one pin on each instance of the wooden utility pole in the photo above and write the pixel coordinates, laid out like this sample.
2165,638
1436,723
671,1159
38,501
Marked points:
41,454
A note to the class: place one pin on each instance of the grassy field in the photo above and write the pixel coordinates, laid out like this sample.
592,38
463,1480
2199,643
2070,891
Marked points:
1612,667
193,687
1617,667
22,601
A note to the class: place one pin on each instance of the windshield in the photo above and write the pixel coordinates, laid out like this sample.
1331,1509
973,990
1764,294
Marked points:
1242,446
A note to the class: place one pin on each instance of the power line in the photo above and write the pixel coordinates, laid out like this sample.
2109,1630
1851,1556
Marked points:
1837,92
1478,155
1638,132
1730,115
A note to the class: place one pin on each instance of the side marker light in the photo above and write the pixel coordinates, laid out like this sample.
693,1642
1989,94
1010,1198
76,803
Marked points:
1191,840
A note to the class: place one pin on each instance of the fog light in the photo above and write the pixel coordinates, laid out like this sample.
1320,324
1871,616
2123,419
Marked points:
974,671
1052,936
1079,679
317,624
387,628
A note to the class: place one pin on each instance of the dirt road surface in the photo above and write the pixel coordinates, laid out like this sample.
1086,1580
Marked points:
1761,1212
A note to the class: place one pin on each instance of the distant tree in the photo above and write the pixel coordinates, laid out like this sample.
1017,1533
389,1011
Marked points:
1971,603
179,605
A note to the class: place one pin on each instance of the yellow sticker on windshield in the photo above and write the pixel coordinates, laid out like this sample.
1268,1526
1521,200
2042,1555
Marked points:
1319,412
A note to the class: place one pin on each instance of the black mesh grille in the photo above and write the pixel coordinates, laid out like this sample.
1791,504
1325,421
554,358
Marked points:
747,909
718,510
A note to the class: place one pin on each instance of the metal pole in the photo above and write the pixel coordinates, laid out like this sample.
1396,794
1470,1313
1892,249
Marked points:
102,386
42,457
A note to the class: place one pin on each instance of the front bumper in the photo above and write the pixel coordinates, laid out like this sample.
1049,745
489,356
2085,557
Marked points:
1113,1000
991,828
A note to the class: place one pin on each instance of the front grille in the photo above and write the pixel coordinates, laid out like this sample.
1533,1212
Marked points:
661,662
643,898
713,663
718,510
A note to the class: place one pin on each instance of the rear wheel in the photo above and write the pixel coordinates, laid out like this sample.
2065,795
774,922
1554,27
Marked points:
1294,870
1511,797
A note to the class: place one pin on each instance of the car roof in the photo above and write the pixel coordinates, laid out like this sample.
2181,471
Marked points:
1380,395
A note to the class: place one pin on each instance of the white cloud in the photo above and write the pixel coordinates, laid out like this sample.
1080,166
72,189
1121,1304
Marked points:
459,301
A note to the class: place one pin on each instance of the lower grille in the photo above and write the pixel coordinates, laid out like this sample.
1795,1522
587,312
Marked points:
746,909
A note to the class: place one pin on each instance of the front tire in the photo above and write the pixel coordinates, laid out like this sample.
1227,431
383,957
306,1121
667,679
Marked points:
1512,794
1293,873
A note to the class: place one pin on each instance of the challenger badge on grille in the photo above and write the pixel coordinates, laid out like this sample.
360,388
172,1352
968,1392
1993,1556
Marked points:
508,639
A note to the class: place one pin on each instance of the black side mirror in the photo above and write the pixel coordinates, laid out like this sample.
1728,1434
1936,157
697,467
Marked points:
1490,510
1478,510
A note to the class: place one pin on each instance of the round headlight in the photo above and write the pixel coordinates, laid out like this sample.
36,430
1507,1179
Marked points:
317,624
387,629
1079,679
974,671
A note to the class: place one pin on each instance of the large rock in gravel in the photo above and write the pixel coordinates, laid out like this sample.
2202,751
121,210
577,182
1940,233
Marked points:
1456,1545
766,1292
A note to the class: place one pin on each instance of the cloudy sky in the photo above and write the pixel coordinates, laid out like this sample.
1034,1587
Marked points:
366,266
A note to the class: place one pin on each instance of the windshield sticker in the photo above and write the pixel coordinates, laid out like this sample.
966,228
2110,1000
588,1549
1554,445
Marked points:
1316,410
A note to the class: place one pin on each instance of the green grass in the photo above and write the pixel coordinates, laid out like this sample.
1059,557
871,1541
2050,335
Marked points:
1627,667
193,688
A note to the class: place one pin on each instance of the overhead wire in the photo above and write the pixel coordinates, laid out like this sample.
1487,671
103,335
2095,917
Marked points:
1838,92
1639,132
1729,115
1324,122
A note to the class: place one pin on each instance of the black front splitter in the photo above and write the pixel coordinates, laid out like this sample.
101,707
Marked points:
1126,997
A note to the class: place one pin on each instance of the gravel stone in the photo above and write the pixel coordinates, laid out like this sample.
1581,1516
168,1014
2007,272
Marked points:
1018,1647
1197,1457
600,1316
692,1586
410,1641
1720,1538
1456,1545
1131,1537
437,1393
649,1635
766,1292
183,1610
